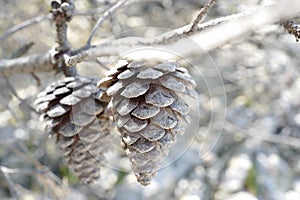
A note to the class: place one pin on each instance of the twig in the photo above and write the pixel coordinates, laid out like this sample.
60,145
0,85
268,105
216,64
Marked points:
43,63
11,184
28,64
180,43
19,52
62,14
22,50
293,28
24,25
26,154
23,171
102,65
175,35
46,175
236,26
111,48
49,179
201,15
38,19
105,16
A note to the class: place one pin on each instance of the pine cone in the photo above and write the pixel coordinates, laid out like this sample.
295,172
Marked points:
78,120
148,108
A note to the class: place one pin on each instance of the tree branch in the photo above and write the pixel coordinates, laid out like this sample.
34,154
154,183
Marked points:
209,35
62,14
189,44
28,64
38,19
12,187
105,16
201,15
24,25
111,48
22,50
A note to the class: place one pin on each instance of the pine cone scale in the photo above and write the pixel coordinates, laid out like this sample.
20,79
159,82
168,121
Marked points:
135,89
148,106
57,110
78,121
126,106
69,129
70,100
82,120
159,98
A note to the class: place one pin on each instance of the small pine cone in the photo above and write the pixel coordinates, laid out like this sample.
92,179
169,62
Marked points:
148,108
77,118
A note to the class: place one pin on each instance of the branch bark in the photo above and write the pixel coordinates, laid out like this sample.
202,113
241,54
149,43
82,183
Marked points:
28,64
178,41
201,15
208,36
105,16
24,25
62,14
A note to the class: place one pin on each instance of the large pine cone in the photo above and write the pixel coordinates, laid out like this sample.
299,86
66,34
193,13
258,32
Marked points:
78,120
148,108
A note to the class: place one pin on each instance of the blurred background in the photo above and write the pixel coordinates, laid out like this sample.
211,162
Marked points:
248,136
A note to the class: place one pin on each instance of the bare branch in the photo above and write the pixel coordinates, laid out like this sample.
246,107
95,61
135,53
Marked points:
175,35
28,64
38,19
201,15
23,171
62,14
236,26
180,42
105,16
11,184
24,25
22,50
111,48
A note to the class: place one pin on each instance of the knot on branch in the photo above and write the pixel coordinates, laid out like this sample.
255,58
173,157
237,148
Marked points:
59,63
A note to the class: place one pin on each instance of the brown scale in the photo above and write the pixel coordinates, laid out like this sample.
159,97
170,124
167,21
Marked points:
78,120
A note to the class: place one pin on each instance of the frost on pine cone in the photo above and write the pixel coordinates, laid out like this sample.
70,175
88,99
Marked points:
148,108
77,118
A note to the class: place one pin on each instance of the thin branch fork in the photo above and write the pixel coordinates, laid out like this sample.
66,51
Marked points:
105,16
201,15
